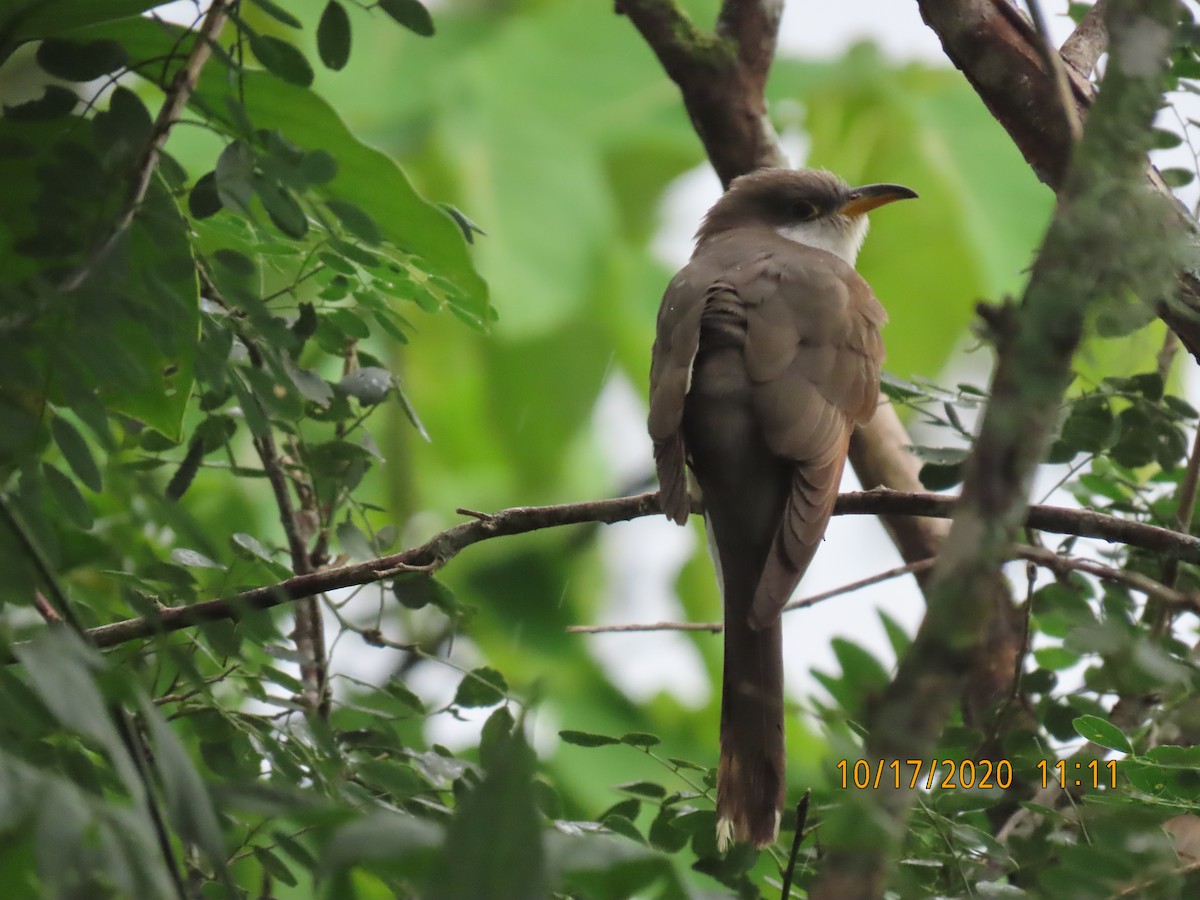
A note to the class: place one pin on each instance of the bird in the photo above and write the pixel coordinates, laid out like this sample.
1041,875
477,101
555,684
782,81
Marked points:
767,354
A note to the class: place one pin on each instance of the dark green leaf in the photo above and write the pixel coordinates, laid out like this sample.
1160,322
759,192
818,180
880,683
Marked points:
640,739
481,687
1102,732
493,737
278,13
77,453
274,866
79,61
1176,177
383,837
188,802
59,668
353,541
416,590
622,826
937,477
496,828
411,14
1091,426
56,101
203,200
333,36
282,208
410,412
587,739
186,473
354,220
318,167
643,789
282,59
1165,139
235,177
68,498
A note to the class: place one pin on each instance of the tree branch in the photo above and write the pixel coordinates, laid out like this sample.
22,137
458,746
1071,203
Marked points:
1087,41
1056,562
721,76
444,546
1088,254
995,47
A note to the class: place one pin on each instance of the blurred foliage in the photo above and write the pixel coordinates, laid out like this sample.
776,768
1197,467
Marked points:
285,286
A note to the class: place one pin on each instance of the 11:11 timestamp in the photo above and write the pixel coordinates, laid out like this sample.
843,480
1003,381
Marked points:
1095,773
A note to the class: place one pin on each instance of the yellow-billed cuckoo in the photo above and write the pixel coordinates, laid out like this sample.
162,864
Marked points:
766,356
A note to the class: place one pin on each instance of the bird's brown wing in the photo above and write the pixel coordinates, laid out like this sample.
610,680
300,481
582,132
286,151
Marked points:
675,344
813,351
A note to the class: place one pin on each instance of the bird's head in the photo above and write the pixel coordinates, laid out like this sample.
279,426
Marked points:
809,206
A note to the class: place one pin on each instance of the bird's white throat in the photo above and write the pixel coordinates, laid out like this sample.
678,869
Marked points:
842,238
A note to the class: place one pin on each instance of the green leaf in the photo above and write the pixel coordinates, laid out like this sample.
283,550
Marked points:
1091,426
56,101
640,739
274,866
493,737
77,453
59,668
22,21
203,199
318,167
643,789
282,59
411,14
354,220
278,13
936,477
379,837
282,208
1055,659
68,498
248,547
481,687
1102,732
622,826
234,176
353,541
188,802
333,36
80,61
496,827
1177,177
416,590
193,559
587,739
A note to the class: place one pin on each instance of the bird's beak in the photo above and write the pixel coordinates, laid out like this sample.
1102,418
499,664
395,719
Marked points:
868,197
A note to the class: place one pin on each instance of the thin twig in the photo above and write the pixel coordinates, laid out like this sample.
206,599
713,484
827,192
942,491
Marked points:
716,627
178,94
45,610
797,839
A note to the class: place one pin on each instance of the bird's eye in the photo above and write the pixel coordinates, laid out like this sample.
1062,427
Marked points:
804,210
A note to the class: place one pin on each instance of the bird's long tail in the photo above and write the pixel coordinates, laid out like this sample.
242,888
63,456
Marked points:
750,776
750,780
